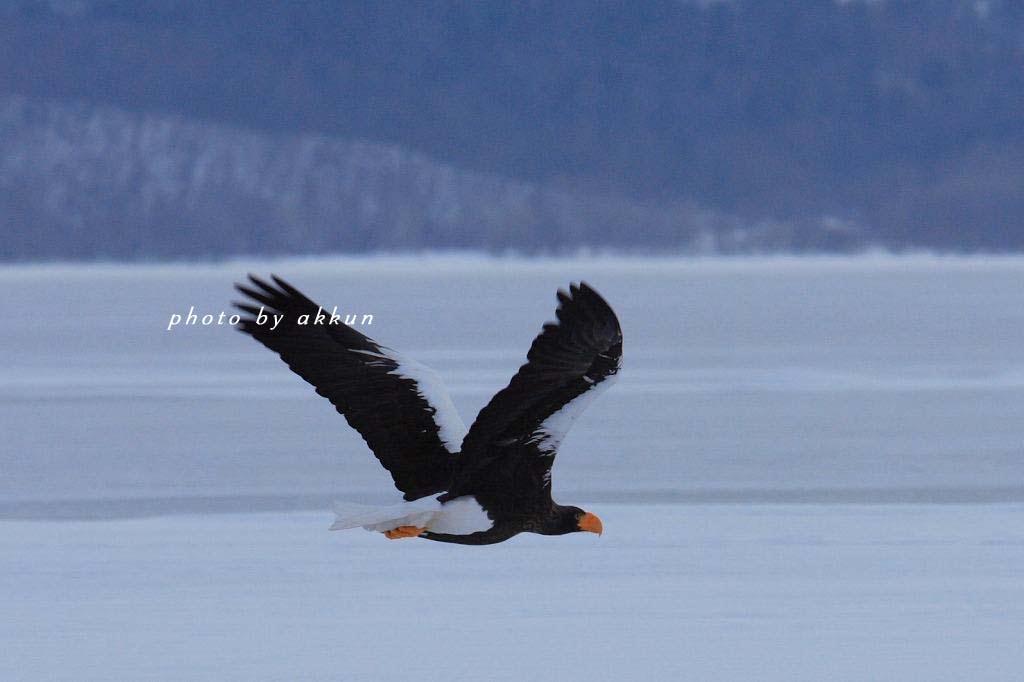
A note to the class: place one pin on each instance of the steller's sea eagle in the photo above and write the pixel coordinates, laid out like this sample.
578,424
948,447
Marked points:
477,487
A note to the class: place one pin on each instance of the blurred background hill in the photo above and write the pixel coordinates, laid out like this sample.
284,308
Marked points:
179,128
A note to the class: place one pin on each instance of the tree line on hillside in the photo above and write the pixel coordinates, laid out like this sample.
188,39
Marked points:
900,118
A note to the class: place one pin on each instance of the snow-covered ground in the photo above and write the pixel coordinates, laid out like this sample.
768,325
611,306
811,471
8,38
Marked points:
670,592
810,469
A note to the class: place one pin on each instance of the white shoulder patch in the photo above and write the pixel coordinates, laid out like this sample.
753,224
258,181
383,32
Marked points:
553,429
451,429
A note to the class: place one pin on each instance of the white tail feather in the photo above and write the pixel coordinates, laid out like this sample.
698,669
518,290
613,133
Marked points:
460,516
353,515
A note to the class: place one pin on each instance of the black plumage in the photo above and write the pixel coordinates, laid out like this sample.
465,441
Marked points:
505,459
352,371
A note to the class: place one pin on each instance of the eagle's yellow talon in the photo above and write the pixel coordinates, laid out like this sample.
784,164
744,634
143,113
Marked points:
404,532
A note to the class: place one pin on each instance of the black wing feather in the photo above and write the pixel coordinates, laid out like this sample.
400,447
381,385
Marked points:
568,359
357,375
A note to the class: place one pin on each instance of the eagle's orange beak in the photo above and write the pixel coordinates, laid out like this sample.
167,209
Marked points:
591,524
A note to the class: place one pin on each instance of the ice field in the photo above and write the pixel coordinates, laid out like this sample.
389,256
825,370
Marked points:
809,469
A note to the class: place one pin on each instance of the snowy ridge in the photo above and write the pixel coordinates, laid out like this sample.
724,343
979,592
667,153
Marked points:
99,167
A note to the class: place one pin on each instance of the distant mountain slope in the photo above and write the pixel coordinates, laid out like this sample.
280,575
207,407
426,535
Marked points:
903,117
97,182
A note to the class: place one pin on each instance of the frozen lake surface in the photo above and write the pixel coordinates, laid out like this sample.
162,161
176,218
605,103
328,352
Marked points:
670,592
809,468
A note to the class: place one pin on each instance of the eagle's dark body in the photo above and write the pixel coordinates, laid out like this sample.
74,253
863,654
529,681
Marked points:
399,407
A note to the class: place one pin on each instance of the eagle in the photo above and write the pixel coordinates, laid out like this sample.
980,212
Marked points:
474,487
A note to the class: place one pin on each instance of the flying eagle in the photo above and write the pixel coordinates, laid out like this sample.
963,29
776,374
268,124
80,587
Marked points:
477,487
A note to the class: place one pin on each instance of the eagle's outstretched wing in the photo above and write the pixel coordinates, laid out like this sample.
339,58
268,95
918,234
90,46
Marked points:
569,363
399,406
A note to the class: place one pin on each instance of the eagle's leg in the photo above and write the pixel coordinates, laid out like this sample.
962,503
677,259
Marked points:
404,532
